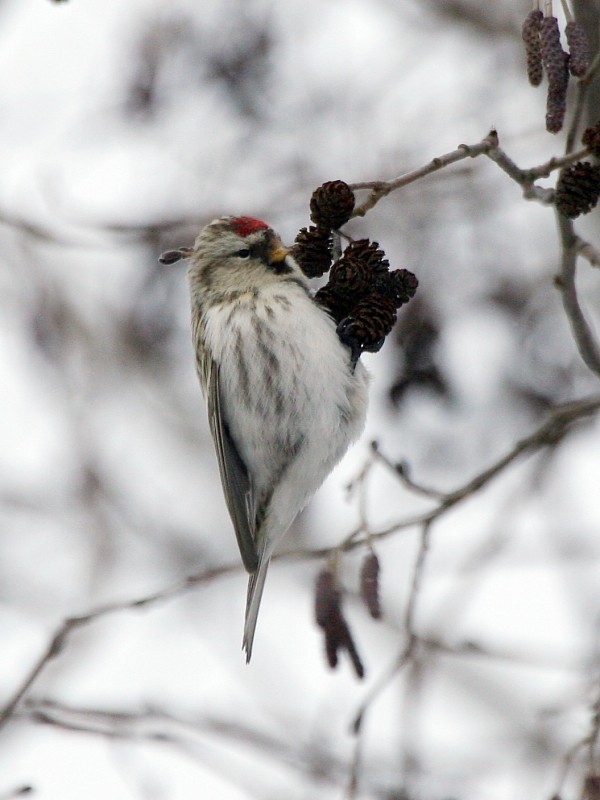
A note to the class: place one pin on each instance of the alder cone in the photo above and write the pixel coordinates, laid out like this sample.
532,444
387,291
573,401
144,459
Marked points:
330,618
351,276
556,64
338,304
369,253
530,34
556,105
331,205
553,55
370,321
312,251
369,585
578,189
591,139
579,49
399,286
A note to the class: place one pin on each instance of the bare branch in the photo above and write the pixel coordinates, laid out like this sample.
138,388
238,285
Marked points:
489,146
402,471
189,734
555,427
587,251
21,791
549,433
380,189
63,632
582,92
584,337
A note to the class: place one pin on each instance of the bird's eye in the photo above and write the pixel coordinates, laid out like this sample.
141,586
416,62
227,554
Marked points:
245,253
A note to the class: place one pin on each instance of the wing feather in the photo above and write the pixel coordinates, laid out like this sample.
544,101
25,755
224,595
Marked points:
236,480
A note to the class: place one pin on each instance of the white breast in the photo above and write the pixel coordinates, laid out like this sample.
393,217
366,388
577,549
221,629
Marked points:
287,390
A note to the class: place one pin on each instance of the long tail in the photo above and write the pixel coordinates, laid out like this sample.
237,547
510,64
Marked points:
256,584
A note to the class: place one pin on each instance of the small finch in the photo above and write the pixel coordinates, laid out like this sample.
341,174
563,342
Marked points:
284,401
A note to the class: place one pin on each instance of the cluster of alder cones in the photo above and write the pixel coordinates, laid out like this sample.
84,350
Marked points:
541,36
330,616
362,294
578,186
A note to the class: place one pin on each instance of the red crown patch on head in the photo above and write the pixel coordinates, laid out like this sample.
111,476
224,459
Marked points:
245,225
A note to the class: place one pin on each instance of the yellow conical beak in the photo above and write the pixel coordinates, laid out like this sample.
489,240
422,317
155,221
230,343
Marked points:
278,252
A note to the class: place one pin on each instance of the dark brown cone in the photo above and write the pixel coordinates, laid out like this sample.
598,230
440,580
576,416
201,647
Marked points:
556,64
362,296
331,205
530,33
329,617
369,585
578,189
354,657
327,598
556,101
338,305
369,323
350,276
369,253
312,251
553,56
591,788
399,286
591,139
579,49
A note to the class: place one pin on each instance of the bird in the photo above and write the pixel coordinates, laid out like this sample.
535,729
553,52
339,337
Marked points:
284,396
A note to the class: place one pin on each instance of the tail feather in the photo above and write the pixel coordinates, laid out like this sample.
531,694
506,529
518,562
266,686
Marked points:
256,584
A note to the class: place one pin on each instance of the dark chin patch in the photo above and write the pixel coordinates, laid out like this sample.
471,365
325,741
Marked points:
244,226
280,267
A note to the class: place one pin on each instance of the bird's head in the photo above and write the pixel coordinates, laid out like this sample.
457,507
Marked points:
233,255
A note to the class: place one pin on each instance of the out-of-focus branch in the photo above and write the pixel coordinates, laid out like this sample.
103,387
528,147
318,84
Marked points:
67,627
587,345
587,251
589,746
583,86
189,735
554,429
410,635
72,234
549,433
20,791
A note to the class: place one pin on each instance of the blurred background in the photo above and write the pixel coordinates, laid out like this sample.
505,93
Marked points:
125,128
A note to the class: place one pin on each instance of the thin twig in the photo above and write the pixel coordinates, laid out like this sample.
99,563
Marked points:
588,347
402,471
411,638
63,632
549,433
189,734
589,742
489,146
380,189
409,615
580,103
20,791
587,251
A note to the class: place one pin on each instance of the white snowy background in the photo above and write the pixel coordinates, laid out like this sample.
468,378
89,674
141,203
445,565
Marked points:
125,126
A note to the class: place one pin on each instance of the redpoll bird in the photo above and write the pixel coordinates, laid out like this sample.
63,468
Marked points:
284,401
